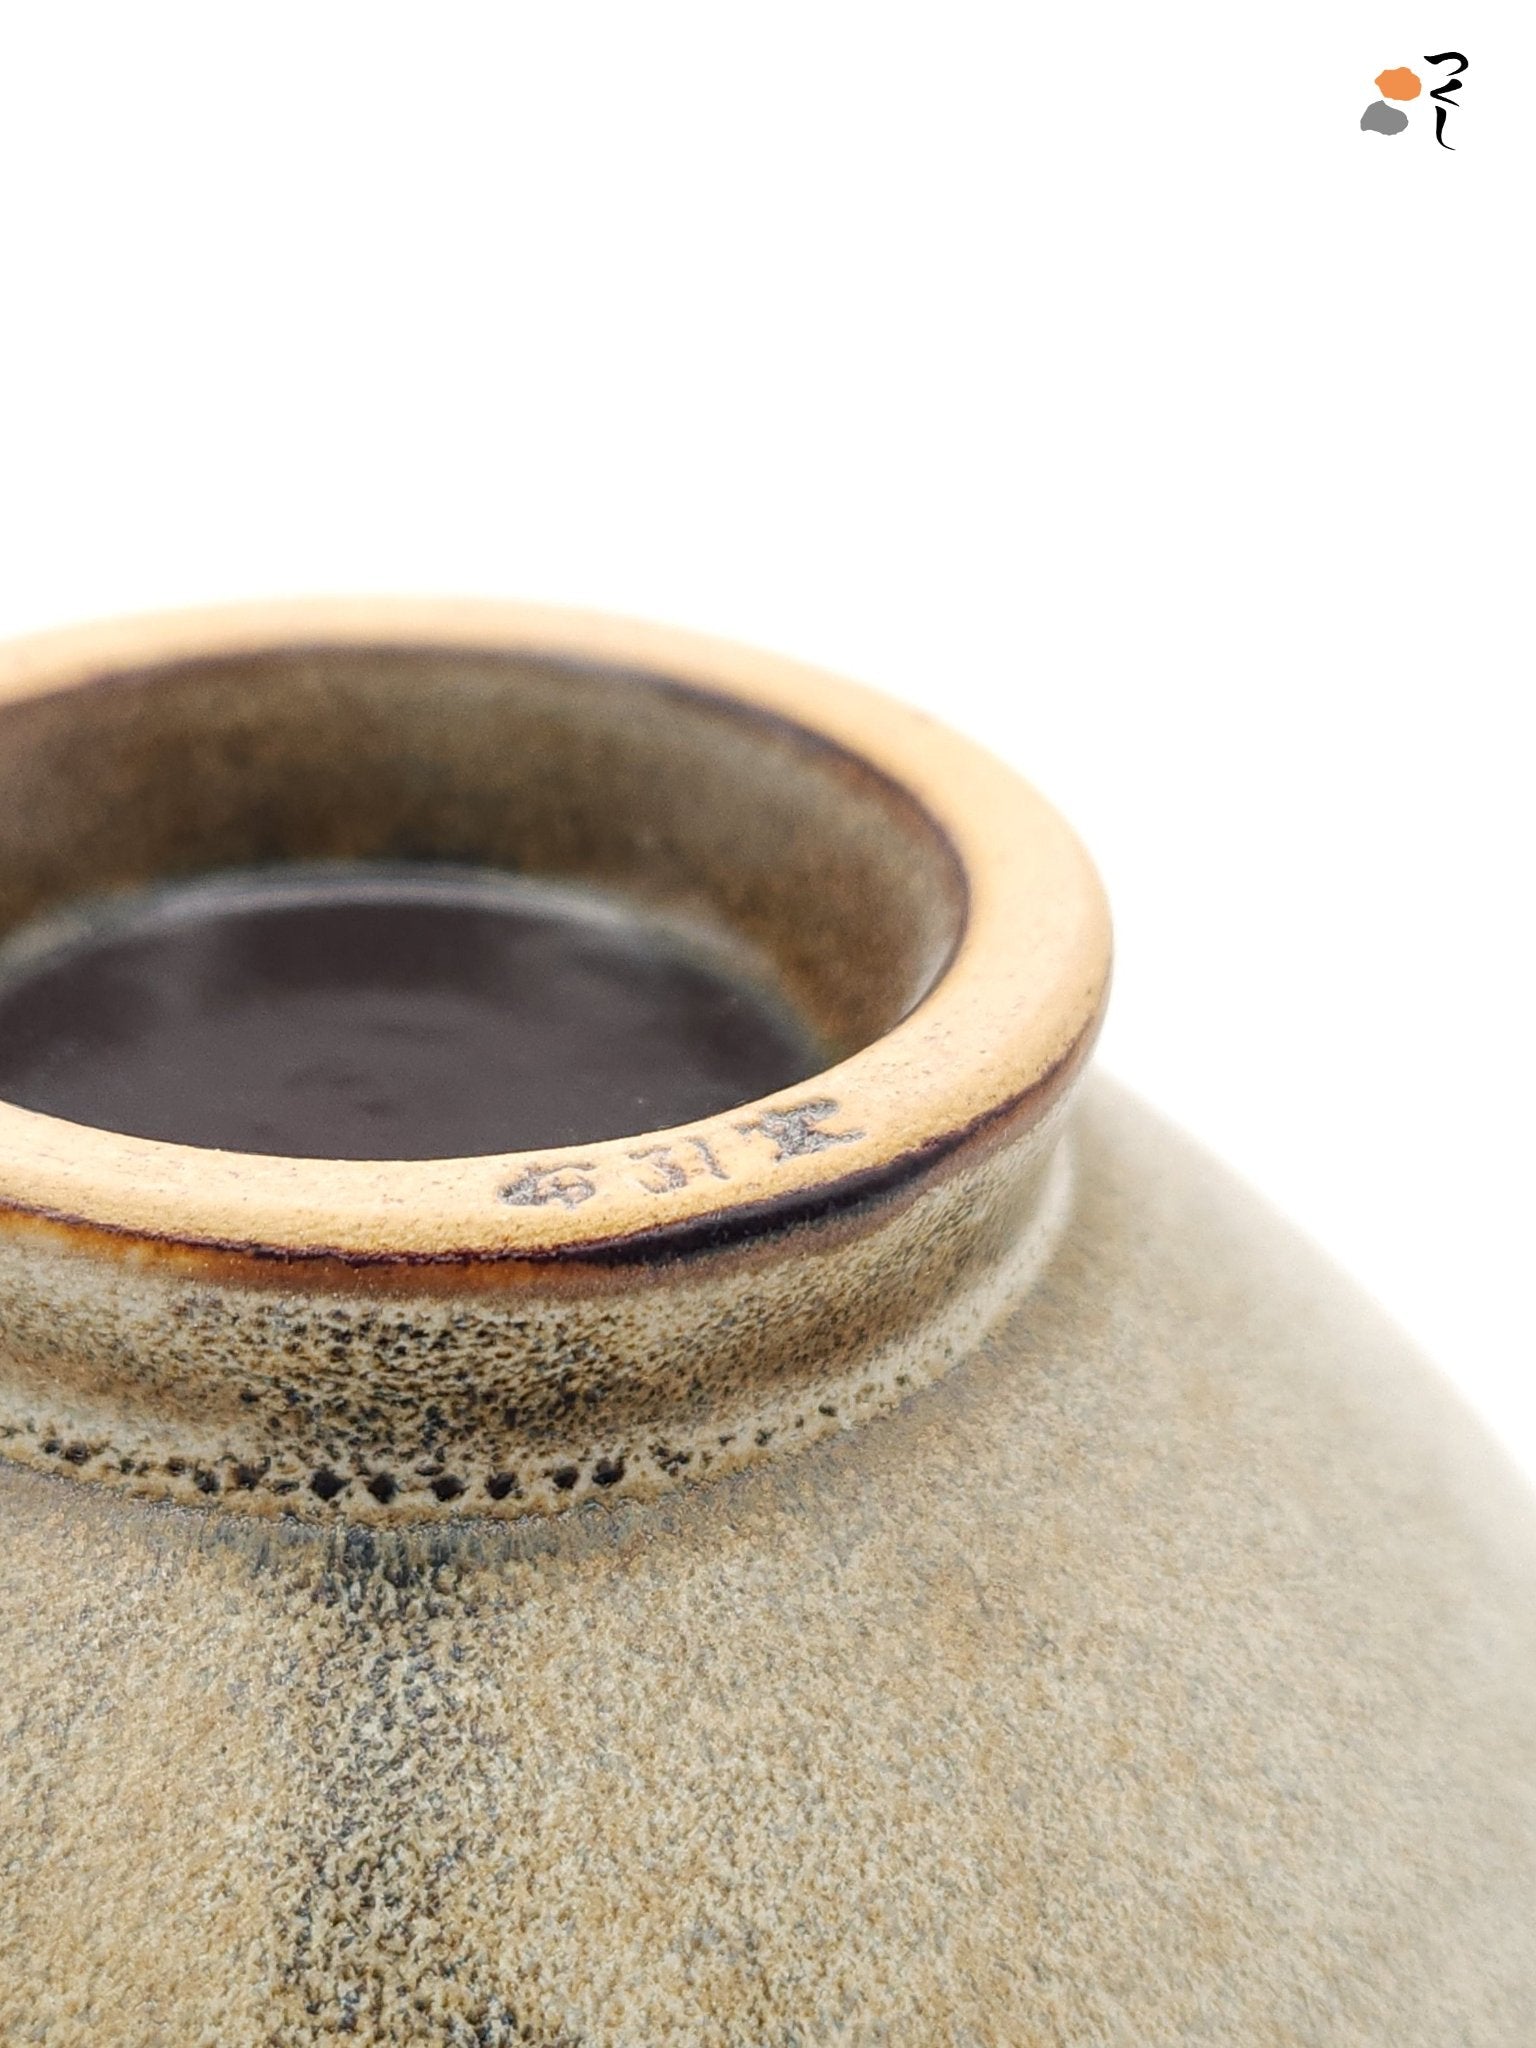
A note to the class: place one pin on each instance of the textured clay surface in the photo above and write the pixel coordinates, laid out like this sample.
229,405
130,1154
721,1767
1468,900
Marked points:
1164,1675
402,1396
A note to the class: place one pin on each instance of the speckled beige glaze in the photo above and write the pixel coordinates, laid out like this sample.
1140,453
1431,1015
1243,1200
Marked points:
1091,1627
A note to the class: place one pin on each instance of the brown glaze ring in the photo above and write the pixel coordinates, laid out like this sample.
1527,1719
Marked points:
608,1318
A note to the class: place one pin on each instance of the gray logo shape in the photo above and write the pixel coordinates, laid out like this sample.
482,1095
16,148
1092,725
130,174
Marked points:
1380,119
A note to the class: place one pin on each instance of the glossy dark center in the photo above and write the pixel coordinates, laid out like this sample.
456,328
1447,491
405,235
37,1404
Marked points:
363,1013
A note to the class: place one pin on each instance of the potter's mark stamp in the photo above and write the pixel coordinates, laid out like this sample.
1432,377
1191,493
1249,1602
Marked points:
663,1169
795,1132
538,1186
673,1166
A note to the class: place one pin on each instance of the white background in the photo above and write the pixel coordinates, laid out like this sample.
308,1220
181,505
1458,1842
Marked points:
1083,375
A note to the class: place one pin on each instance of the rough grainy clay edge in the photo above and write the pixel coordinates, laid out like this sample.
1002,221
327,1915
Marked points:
1026,982
733,1228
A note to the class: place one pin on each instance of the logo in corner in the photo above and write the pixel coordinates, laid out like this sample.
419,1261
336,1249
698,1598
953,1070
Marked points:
1399,83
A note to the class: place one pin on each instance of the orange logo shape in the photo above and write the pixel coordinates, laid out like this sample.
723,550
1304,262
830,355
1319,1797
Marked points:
1401,84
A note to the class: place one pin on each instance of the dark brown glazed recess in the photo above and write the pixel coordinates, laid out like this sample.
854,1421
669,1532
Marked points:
690,805
402,1012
